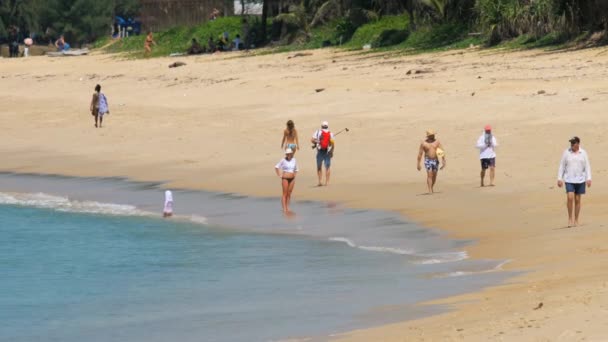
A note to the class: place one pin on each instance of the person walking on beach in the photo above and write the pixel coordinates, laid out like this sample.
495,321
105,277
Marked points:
575,172
290,137
148,44
168,208
487,154
321,140
432,151
287,169
99,106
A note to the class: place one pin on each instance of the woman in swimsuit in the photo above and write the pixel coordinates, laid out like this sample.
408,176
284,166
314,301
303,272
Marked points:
287,169
148,44
290,137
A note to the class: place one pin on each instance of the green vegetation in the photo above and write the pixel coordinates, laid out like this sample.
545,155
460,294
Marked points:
178,39
408,25
387,31
81,21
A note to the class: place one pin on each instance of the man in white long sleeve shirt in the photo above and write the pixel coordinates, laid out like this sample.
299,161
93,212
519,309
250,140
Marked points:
575,172
487,154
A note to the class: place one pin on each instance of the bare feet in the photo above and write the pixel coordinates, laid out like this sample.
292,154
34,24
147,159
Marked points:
575,223
570,224
95,125
491,184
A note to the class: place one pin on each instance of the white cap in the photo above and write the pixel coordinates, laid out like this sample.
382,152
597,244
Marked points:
324,124
288,151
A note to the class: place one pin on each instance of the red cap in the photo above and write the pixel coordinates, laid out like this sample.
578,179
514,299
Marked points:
488,128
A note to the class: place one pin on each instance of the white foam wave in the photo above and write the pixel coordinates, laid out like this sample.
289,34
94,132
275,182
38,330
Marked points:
422,259
64,204
345,240
497,268
373,248
198,219
440,258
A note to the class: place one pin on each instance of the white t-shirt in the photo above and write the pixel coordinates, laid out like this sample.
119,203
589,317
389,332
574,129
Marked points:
289,166
317,136
485,151
574,167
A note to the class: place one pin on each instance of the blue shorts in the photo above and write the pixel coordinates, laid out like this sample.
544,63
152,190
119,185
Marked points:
577,188
488,163
323,156
431,165
292,147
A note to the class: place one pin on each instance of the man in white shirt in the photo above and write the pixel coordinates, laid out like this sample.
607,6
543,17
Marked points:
323,141
575,172
487,154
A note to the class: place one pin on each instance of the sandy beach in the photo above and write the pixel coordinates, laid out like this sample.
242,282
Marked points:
216,124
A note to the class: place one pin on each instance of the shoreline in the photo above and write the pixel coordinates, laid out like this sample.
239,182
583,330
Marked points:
519,219
91,196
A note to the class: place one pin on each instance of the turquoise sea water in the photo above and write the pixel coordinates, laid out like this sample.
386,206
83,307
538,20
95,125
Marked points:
76,270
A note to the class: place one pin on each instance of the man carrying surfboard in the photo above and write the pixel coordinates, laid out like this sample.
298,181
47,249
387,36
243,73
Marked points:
432,151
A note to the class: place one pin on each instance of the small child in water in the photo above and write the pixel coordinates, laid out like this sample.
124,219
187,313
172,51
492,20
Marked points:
168,209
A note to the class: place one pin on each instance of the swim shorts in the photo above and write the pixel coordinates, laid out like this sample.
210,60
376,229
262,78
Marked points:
488,163
431,164
577,188
292,146
323,156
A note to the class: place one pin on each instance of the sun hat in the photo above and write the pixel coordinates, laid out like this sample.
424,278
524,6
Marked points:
324,124
575,140
430,132
488,128
288,151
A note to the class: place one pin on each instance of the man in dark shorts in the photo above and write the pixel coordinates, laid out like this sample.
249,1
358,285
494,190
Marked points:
487,155
575,173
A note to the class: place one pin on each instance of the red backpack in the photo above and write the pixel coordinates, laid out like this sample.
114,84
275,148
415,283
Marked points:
324,139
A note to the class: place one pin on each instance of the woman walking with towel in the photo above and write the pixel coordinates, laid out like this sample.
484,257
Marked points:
99,106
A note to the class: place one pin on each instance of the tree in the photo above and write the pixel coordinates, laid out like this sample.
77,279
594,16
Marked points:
24,14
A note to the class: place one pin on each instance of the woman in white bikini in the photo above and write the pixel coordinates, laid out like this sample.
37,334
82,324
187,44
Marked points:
287,169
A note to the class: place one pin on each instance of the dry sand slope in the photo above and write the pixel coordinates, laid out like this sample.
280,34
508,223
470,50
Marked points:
216,124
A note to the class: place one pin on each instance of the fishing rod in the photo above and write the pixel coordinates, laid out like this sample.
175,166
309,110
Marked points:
344,130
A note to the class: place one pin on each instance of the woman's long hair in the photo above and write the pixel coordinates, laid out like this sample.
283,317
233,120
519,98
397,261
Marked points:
290,126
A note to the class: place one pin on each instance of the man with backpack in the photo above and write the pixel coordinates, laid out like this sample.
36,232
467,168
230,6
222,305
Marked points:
322,140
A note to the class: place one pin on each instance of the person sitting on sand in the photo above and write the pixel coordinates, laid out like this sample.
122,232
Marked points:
432,151
148,44
61,45
290,137
236,42
487,144
287,169
168,208
99,106
195,48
